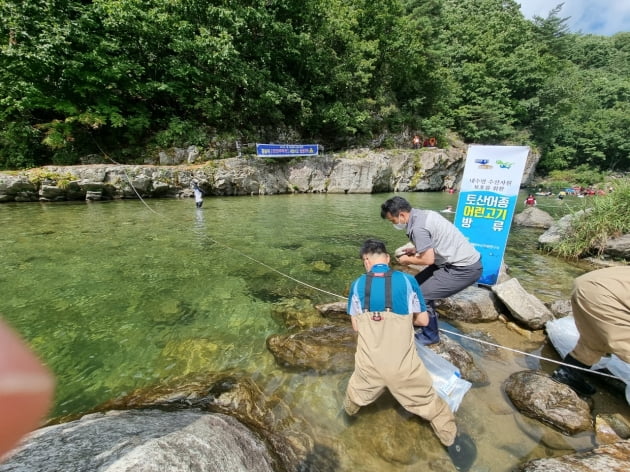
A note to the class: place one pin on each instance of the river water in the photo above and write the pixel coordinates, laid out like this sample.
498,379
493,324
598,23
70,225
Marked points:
125,294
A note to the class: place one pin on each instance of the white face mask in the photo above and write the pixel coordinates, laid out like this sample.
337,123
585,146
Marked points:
400,225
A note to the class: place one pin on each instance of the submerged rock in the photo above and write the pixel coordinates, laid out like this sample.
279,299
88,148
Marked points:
337,310
617,423
394,435
612,457
323,348
460,358
604,432
296,313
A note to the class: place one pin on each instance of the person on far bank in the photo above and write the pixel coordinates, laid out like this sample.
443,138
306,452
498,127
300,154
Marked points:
384,305
198,194
600,302
530,200
452,262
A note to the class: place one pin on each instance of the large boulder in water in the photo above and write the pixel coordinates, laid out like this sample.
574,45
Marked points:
144,440
540,397
559,230
524,307
473,304
534,218
288,436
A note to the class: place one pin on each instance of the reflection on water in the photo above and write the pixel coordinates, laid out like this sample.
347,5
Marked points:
114,297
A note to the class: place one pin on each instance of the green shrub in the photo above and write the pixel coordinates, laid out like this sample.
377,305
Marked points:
19,146
605,216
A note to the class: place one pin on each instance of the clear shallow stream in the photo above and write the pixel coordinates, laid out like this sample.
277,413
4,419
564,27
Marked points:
119,295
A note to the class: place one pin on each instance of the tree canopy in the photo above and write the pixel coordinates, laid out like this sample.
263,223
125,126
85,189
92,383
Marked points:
125,76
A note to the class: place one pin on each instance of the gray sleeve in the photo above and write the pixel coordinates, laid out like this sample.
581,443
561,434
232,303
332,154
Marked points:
421,237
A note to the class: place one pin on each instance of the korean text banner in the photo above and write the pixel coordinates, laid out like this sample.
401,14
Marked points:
286,150
488,197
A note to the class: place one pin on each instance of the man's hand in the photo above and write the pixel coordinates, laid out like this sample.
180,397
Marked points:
405,260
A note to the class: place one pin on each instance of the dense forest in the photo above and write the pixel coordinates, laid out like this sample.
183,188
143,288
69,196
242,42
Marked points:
128,77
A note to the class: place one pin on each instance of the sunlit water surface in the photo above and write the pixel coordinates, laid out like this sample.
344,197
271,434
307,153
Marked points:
120,295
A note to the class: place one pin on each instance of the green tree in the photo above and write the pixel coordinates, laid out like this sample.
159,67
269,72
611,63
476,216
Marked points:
497,63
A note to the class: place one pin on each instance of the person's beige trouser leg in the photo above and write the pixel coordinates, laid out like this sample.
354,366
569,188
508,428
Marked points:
386,357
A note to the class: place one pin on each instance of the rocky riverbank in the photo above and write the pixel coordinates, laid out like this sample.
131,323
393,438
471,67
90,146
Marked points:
613,248
357,171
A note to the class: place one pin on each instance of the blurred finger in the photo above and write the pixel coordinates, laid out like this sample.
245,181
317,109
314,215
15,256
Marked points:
26,389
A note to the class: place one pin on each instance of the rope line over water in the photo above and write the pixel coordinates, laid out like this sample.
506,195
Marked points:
283,274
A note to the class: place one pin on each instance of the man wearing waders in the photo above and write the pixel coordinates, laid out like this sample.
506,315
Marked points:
600,302
384,305
452,262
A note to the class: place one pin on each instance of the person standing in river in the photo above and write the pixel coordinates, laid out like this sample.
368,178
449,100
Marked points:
452,262
384,305
600,302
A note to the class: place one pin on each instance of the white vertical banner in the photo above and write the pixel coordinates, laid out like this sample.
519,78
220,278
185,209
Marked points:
487,200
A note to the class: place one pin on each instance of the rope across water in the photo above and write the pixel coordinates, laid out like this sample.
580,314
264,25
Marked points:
312,287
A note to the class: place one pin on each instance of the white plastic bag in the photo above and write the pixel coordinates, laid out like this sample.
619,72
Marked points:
564,335
446,377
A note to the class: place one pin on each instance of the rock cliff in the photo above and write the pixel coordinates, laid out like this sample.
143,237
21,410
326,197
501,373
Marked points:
357,171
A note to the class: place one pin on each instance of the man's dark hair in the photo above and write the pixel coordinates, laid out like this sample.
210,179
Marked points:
394,206
372,246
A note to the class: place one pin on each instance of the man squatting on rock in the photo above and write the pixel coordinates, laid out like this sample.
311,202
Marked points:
384,305
453,263
601,308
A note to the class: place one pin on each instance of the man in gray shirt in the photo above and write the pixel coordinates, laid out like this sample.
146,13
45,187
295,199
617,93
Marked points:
452,262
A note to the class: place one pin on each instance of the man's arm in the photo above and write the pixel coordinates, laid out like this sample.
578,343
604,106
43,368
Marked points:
425,258
421,319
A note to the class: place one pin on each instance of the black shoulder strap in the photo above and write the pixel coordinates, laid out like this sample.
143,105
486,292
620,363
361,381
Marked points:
388,289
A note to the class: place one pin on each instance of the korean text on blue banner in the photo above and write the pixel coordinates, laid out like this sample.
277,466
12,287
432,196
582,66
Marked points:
487,200
286,150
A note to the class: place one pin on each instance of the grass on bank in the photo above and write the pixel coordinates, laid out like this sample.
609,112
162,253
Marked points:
605,216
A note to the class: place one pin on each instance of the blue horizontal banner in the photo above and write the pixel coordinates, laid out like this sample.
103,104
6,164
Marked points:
286,150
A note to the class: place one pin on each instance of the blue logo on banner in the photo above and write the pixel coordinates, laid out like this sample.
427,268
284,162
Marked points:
286,150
